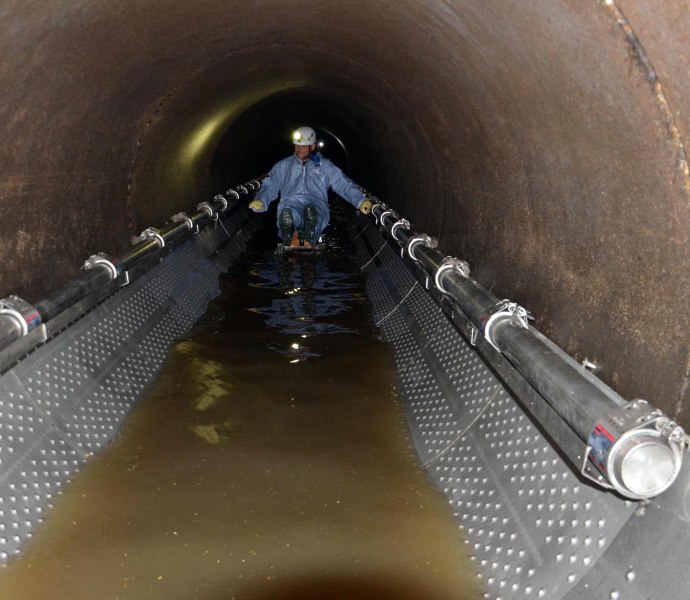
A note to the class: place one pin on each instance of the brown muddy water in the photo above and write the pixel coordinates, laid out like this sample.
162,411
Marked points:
269,460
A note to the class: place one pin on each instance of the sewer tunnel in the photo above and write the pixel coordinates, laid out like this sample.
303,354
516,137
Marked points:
544,143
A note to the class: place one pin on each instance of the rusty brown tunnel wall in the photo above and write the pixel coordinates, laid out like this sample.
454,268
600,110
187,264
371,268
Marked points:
531,136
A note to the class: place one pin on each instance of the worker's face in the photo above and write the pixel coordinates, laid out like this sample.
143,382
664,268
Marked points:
303,152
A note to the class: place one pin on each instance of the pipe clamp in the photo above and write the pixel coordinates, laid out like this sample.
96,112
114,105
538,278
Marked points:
152,233
420,238
184,218
506,309
387,212
461,267
102,260
221,198
404,223
207,207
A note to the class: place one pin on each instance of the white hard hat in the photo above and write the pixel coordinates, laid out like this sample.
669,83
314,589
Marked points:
304,136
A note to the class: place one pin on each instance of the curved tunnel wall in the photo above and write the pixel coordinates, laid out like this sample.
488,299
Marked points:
532,138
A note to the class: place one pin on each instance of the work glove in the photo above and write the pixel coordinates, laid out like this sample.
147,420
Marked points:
365,207
256,206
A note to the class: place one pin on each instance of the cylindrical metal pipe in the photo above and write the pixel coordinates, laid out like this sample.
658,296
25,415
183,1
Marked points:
100,275
580,403
604,421
138,253
74,291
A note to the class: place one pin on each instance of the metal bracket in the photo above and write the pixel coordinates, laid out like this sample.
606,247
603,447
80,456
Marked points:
207,207
379,220
401,223
26,315
420,238
102,260
152,232
184,218
221,198
381,205
506,309
461,267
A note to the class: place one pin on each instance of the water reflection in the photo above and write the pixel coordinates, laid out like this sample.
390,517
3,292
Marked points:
243,474
315,291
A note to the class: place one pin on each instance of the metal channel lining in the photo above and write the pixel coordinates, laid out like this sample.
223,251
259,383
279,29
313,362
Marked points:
534,528
66,400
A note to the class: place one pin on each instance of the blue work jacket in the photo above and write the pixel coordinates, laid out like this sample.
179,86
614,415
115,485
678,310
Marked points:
300,184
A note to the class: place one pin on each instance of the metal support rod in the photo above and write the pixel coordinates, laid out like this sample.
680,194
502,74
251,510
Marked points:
630,446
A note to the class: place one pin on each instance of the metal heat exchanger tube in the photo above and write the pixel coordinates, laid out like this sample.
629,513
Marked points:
630,446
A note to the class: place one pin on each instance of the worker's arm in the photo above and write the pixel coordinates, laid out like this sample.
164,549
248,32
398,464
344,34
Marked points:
342,185
270,187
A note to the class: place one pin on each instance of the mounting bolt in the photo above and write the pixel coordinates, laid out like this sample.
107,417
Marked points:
589,365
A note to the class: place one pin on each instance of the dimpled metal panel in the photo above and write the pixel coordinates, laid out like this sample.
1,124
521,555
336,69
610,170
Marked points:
67,399
534,529
382,303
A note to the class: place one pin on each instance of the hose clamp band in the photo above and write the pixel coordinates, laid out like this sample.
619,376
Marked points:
207,207
420,238
401,223
505,309
221,198
234,193
152,233
451,263
102,260
20,311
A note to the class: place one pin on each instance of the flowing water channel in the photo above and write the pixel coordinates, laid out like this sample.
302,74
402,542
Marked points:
269,460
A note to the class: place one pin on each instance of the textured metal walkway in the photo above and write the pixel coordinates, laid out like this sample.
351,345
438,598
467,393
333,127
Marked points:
67,399
535,529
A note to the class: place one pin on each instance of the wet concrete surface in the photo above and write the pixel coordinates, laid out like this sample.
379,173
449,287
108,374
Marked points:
269,460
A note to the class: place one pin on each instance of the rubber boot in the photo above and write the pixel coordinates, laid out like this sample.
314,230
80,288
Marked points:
310,219
286,225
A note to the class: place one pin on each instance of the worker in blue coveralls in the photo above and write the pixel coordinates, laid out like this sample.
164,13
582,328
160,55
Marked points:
303,180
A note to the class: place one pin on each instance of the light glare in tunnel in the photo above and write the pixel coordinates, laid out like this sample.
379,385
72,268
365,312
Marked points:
201,137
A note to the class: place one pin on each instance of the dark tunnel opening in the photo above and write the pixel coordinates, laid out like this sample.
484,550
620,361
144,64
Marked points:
261,136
